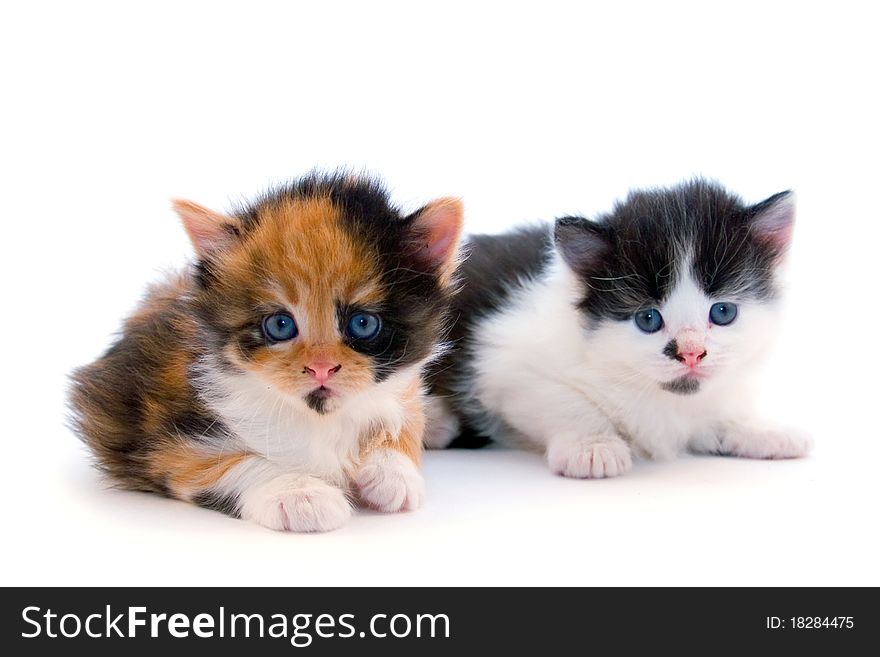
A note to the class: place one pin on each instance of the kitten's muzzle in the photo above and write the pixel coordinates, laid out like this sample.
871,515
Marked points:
688,347
691,358
321,370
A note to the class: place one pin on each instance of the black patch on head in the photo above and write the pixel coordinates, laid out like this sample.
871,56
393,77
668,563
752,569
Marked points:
227,504
496,266
414,307
630,258
684,385
671,350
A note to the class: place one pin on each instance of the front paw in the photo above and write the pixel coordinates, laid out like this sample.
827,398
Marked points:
775,443
389,481
296,503
592,458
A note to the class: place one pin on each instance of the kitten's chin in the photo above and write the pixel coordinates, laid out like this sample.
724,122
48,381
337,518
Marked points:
683,385
322,400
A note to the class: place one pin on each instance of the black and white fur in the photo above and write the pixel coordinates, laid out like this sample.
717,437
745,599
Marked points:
547,355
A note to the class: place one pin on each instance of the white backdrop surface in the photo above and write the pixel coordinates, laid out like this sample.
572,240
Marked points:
525,110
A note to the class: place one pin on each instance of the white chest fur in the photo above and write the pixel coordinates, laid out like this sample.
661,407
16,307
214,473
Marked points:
285,431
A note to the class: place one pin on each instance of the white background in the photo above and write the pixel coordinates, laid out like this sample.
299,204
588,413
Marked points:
527,111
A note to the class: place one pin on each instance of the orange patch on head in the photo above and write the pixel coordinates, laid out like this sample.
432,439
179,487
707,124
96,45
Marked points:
310,251
307,259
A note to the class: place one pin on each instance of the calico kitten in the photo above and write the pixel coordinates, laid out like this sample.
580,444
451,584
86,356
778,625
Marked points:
633,333
283,370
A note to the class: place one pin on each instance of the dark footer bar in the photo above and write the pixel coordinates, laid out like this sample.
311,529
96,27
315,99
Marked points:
436,620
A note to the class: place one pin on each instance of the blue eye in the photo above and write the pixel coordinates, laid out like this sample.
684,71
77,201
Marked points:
649,321
280,327
722,313
363,326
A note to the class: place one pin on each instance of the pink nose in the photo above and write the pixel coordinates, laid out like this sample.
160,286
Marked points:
691,358
322,370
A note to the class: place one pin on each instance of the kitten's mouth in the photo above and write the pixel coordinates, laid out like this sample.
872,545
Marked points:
317,399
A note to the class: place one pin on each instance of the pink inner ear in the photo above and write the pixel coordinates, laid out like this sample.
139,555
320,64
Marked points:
439,225
775,224
207,230
440,247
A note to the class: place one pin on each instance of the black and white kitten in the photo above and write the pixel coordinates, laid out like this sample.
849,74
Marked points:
635,333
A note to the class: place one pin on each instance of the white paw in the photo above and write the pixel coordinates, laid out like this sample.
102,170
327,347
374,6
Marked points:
605,456
296,503
389,481
767,443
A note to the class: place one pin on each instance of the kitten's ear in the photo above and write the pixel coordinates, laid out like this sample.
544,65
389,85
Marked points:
208,231
435,232
772,221
582,243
